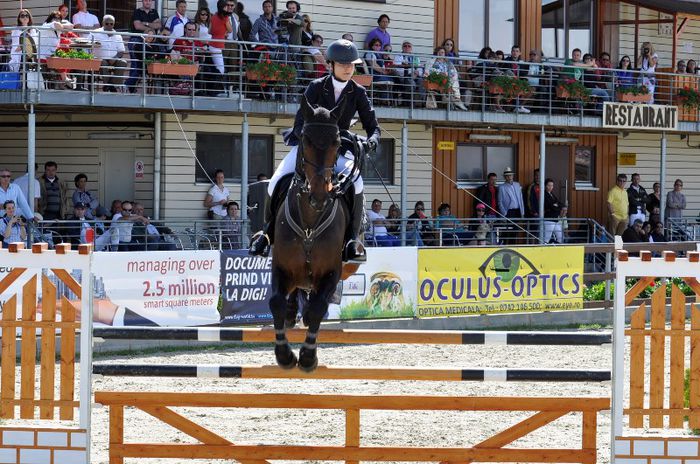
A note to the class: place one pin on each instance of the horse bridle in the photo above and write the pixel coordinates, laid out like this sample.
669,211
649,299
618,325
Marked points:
318,170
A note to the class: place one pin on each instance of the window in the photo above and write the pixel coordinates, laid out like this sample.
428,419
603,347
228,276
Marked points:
486,22
223,151
122,10
584,164
384,162
566,24
474,162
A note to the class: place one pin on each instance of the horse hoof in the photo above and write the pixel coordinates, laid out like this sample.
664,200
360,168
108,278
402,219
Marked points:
286,360
308,361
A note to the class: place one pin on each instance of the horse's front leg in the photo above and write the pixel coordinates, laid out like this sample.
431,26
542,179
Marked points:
286,359
318,306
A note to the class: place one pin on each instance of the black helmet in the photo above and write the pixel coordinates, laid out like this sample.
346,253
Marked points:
343,51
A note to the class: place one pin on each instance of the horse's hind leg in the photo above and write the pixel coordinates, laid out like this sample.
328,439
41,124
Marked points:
286,359
318,306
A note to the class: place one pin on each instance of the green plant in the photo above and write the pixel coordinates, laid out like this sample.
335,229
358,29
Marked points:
690,98
596,291
634,89
169,61
441,80
509,86
76,54
575,89
269,71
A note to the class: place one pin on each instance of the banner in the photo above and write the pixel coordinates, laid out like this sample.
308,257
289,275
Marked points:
163,288
384,287
459,281
245,287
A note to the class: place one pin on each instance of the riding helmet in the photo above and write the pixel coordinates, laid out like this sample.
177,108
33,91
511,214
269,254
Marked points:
343,51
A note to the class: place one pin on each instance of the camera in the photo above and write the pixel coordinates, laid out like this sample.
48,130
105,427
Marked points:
286,15
646,50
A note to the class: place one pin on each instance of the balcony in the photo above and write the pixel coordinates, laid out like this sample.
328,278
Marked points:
474,91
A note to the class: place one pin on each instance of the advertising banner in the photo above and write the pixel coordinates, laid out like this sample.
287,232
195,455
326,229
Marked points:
384,287
456,282
245,287
163,288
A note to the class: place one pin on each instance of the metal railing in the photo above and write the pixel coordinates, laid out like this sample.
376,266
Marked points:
683,229
276,73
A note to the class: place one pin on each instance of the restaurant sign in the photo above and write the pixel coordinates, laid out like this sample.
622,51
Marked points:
639,116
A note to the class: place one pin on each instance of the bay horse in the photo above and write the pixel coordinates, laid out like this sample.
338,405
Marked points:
310,228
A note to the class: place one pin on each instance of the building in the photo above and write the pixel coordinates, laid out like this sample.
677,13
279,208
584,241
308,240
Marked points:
449,152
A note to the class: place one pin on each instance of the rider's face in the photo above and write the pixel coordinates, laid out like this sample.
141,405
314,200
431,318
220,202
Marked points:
343,71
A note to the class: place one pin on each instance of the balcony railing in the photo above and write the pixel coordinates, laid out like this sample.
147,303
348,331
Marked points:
270,78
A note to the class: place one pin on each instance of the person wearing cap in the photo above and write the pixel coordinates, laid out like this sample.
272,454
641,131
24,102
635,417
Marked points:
328,92
380,32
75,230
510,201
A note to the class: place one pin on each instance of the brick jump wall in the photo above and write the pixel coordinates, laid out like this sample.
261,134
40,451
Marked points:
657,450
42,446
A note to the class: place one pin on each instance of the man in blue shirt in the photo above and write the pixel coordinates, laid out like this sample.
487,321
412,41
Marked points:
12,192
266,27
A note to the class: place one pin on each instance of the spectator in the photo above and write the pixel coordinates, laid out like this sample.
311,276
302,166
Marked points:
480,226
83,19
191,48
623,75
24,19
54,194
49,35
23,183
217,197
452,232
266,27
534,72
378,226
348,36
654,200
500,56
83,195
63,13
292,20
393,226
675,201
419,229
681,67
409,73
647,65
319,67
618,206
638,198
441,65
122,238
13,228
450,52
592,82
307,33
115,209
646,231
112,52
261,176
202,20
147,48
575,66
380,32
232,226
176,23
144,20
76,228
633,233
376,64
510,197
552,211
564,223
147,233
488,195
532,196
103,234
605,73
692,67
245,25
655,216
9,191
221,26
657,233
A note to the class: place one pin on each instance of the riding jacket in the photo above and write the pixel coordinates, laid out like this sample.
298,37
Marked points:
320,93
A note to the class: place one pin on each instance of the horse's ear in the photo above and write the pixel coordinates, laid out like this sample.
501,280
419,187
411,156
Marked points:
338,110
307,111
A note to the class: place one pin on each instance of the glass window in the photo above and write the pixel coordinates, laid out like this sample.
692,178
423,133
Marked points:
471,25
384,162
566,24
474,162
584,165
223,151
501,25
486,22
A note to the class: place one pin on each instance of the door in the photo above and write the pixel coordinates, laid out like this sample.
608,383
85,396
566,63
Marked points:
557,161
116,175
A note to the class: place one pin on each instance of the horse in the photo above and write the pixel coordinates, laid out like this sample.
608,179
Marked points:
310,228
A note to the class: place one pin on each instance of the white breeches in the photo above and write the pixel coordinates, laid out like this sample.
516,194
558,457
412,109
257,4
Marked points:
342,166
217,58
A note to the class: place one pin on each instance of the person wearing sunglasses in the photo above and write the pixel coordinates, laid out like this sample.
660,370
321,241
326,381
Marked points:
176,23
109,47
24,41
10,191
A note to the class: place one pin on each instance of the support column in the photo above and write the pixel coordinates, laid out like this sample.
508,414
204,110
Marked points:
157,147
31,156
543,155
404,181
244,177
662,181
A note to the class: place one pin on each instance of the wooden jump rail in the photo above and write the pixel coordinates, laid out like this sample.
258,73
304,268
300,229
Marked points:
355,336
214,446
352,373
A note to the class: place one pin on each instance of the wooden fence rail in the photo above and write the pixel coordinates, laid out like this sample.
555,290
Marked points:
214,446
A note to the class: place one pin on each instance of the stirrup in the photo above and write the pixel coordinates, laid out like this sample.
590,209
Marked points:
255,249
360,258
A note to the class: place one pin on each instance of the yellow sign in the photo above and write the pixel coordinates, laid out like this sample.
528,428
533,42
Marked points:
456,282
444,145
627,159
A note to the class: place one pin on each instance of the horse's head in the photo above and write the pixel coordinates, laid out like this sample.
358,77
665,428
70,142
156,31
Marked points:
320,142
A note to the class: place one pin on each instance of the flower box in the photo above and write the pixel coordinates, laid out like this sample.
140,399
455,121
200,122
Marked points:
633,98
173,69
74,64
255,76
365,80
433,87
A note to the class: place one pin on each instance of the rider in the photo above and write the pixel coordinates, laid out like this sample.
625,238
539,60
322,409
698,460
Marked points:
327,92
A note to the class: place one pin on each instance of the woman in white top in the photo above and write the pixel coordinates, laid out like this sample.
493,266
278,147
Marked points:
647,62
24,18
217,197
49,36
202,21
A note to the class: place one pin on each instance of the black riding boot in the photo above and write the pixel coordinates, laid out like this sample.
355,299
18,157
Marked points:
354,250
263,240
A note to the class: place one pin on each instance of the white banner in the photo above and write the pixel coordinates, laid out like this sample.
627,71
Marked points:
165,288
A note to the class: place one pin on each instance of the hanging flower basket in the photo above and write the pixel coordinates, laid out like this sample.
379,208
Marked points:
173,69
74,64
365,80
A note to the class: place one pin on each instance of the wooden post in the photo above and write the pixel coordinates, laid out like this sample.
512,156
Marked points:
657,350
677,355
8,360
48,348
352,430
28,350
116,432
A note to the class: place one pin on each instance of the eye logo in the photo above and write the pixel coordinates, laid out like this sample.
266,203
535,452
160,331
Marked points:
507,264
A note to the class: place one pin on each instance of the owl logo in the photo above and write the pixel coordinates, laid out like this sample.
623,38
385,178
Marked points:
385,293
